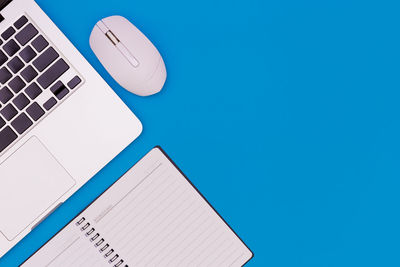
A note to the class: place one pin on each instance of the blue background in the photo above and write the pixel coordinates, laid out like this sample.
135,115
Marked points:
283,113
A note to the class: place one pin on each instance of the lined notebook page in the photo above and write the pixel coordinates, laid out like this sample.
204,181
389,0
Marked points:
152,216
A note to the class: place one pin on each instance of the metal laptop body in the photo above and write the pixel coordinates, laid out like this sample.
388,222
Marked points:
60,123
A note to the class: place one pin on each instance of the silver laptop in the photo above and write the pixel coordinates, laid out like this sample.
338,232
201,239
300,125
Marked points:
60,123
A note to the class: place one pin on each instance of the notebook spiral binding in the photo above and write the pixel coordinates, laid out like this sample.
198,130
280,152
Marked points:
95,237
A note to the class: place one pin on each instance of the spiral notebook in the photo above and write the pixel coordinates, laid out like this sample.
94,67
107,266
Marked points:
152,216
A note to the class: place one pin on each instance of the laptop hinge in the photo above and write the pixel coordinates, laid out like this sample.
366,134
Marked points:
4,3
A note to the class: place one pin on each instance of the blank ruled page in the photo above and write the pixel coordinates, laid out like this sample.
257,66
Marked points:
153,216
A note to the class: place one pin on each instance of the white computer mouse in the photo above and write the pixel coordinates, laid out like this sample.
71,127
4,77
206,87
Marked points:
126,53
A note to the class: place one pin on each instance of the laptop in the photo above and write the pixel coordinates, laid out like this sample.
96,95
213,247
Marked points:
60,123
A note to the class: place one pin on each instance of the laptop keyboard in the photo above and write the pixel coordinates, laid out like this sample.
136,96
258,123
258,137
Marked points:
34,79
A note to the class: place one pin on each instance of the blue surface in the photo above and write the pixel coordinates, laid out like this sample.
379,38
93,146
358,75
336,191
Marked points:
283,113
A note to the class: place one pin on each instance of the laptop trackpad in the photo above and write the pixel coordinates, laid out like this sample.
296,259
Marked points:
31,180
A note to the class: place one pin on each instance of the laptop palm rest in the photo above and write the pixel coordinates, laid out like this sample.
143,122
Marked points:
24,176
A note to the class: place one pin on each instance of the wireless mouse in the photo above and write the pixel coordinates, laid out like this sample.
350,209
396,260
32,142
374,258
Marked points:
130,58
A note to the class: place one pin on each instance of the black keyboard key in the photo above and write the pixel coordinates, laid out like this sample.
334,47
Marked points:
50,103
74,82
45,59
35,111
53,73
29,73
59,90
9,112
8,33
16,84
27,54
7,136
40,43
26,34
33,90
3,58
20,22
21,123
21,101
5,95
2,122
15,64
5,75
11,47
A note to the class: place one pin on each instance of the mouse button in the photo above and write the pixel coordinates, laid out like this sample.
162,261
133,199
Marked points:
95,36
112,59
103,27
143,51
132,60
133,39
105,51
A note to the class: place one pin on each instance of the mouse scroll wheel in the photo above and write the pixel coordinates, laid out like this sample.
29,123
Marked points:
110,35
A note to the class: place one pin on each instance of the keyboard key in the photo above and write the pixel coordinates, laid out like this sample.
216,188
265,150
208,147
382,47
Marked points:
20,22
50,103
16,84
2,122
15,64
27,54
7,136
33,90
35,111
9,112
40,43
21,123
45,59
5,95
29,73
3,58
11,47
53,73
74,82
8,33
5,75
26,34
59,90
21,101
